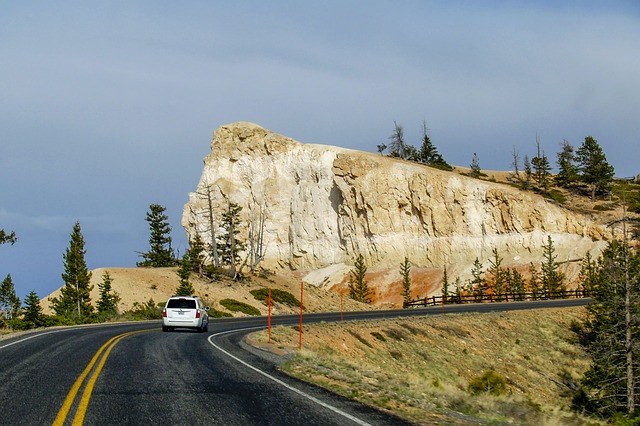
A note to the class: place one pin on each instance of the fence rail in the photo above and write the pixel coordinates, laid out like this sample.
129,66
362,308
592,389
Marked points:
490,298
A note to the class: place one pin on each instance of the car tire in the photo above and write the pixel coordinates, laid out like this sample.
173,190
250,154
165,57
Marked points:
165,328
206,328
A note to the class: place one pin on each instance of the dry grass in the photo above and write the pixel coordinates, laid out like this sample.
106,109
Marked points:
419,368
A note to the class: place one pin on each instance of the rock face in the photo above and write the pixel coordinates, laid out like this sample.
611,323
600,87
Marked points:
324,205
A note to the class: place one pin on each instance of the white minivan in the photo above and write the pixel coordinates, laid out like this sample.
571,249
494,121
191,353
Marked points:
185,312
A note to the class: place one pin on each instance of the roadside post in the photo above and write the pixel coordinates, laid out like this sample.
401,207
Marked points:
301,297
269,317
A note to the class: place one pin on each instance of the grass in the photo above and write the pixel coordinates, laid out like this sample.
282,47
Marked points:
421,368
277,296
237,306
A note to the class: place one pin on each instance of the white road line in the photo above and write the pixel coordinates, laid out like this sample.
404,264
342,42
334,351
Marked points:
280,382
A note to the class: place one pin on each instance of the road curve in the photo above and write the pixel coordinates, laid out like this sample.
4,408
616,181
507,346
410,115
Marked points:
178,378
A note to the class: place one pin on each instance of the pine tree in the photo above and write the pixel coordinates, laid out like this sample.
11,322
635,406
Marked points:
535,281
184,272
567,169
528,173
160,253
196,254
475,166
445,285
517,284
593,165
358,287
429,154
478,283
588,276
32,314
230,245
552,279
541,168
496,274
405,271
9,301
7,238
75,299
109,299
613,330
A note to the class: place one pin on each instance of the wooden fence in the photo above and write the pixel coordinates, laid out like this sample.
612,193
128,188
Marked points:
489,298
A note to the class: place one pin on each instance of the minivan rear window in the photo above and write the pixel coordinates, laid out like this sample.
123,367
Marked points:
181,304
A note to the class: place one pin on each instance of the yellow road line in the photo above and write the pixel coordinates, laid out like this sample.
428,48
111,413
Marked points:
86,396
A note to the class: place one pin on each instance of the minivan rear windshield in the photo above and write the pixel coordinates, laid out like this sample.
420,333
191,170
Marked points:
181,304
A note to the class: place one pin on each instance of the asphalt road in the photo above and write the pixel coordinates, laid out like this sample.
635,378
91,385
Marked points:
129,374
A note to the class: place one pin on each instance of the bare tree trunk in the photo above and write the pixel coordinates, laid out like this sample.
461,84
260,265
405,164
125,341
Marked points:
231,241
628,325
257,246
214,243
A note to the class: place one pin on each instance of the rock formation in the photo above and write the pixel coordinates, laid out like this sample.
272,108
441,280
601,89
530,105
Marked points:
323,205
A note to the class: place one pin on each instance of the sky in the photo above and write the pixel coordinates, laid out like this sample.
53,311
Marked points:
107,107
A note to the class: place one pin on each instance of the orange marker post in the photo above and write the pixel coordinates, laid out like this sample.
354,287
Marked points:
301,297
269,317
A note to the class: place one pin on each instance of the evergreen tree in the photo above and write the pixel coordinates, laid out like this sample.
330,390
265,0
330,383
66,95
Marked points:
596,171
197,254
429,153
535,281
358,287
541,168
552,279
7,238
32,314
184,272
528,172
588,276
613,331
567,169
475,166
75,299
458,293
405,271
478,283
9,301
108,302
160,253
445,285
517,284
230,245
496,274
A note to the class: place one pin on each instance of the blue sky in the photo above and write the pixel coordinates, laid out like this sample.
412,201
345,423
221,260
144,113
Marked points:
108,107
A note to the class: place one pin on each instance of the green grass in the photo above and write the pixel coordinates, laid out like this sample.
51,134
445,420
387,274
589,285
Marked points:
277,296
236,306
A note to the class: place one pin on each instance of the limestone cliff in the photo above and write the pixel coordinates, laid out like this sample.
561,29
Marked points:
323,205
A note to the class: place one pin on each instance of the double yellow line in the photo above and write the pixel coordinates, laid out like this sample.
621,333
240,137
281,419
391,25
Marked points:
81,411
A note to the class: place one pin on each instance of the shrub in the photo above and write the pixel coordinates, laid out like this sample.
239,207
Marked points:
278,296
148,310
236,306
490,382
378,336
214,313
557,196
360,338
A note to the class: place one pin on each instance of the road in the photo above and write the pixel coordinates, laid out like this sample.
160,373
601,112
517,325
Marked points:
133,374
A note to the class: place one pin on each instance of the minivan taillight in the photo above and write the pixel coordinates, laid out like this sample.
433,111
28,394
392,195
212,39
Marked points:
164,313
197,314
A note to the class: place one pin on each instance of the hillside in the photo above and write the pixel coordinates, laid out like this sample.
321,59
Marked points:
139,285
420,368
